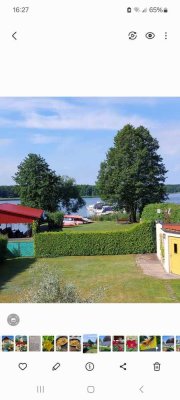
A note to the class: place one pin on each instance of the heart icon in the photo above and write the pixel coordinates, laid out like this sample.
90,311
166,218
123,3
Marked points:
22,366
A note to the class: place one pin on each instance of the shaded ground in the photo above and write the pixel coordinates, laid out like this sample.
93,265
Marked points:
119,279
151,266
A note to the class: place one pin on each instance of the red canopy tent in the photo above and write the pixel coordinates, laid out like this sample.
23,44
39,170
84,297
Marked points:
17,214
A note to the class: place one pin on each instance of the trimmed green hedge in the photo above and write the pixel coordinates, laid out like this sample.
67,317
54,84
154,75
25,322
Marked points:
150,212
139,239
3,247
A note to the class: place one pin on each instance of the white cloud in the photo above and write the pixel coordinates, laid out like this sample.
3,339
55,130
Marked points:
84,120
84,114
78,113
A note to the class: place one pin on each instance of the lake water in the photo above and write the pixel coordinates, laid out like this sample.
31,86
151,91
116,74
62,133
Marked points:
173,198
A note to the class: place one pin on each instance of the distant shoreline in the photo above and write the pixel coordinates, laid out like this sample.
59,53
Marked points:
9,198
84,197
18,198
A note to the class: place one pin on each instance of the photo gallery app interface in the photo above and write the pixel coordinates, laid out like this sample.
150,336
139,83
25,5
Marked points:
89,199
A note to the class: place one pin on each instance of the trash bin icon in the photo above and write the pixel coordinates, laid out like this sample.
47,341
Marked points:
157,366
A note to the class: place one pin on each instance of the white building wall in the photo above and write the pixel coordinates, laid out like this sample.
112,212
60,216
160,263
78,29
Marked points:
166,252
158,242
165,259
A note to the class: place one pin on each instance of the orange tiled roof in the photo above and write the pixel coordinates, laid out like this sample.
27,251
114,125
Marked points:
171,227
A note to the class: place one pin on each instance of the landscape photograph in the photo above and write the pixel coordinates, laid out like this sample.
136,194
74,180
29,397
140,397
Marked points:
89,200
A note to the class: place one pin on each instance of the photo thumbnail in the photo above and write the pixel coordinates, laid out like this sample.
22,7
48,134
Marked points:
131,343
48,343
177,343
21,343
118,343
150,343
75,343
104,343
90,343
7,343
62,343
168,343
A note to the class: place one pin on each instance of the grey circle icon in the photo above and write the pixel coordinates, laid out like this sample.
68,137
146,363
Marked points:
13,319
89,366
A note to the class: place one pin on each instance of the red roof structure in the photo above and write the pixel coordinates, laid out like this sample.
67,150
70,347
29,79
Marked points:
171,228
16,214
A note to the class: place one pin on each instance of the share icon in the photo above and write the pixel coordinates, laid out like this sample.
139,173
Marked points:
123,366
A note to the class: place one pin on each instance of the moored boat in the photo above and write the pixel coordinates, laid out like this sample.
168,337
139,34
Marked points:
74,220
100,208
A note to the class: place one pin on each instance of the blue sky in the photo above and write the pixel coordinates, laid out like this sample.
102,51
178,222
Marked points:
74,134
93,338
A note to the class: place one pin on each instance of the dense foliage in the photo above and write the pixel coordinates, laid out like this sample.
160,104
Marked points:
139,239
3,247
167,212
8,191
39,186
84,190
173,188
55,219
88,190
133,173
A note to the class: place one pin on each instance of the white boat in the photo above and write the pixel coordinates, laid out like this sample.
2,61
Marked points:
100,208
97,205
74,220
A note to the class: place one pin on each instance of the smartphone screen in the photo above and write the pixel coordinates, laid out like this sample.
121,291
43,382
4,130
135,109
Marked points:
89,199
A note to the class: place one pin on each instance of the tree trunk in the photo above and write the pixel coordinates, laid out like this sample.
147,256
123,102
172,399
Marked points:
133,215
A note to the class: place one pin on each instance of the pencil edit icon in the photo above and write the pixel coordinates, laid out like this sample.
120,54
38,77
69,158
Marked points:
56,366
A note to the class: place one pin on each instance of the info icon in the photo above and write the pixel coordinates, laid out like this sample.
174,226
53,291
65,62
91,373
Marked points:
89,366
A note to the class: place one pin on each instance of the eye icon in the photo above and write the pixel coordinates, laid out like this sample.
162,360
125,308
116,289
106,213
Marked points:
150,35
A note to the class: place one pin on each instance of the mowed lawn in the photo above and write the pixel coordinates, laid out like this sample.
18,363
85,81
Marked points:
117,277
107,226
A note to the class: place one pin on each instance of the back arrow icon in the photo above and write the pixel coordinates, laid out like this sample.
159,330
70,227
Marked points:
141,389
14,35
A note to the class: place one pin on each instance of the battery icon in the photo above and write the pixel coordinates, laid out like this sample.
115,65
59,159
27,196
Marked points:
165,10
129,10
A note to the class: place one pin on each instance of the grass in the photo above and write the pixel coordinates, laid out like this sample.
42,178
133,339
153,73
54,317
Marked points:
100,226
117,277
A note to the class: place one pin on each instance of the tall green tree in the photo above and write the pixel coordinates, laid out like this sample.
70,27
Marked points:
70,195
39,186
133,173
